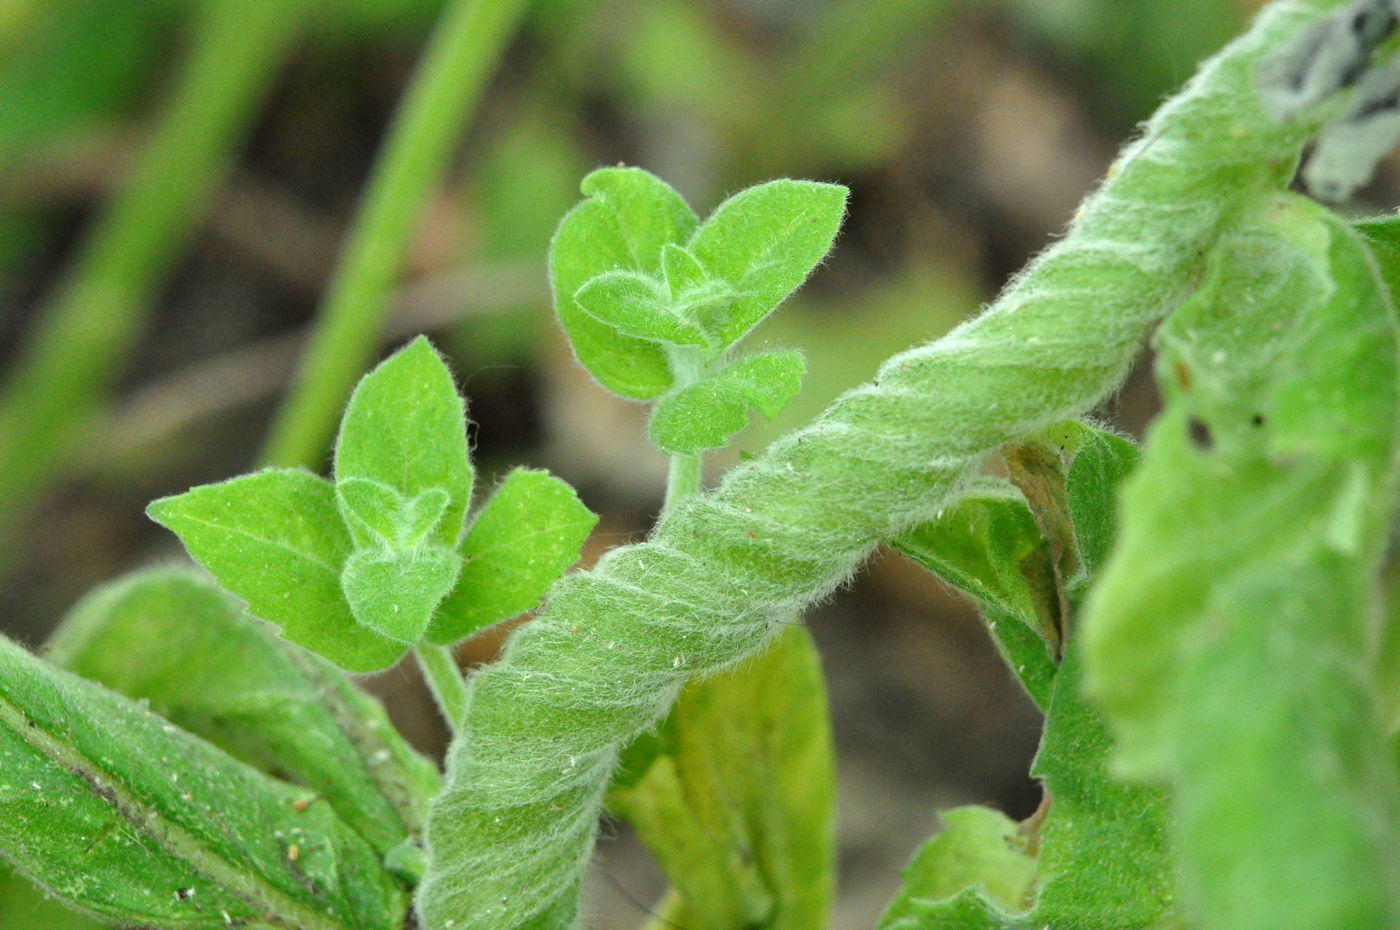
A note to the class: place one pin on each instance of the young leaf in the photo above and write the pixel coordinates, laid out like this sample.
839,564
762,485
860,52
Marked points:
118,812
638,306
706,414
524,538
394,521
764,241
627,219
739,809
1102,462
979,850
275,539
172,639
681,269
395,592
1104,860
988,546
370,509
405,427
769,380
700,416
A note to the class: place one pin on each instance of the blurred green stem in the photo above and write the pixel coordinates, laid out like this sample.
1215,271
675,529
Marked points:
90,323
444,680
466,44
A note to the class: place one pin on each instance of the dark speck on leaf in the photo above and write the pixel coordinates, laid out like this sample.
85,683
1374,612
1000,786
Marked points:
1200,434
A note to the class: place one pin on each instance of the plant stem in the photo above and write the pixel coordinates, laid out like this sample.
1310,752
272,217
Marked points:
682,480
96,313
461,55
444,680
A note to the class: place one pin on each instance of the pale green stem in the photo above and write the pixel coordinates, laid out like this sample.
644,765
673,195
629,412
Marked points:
444,680
682,480
461,55
91,321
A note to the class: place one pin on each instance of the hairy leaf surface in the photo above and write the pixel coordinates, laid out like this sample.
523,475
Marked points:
118,811
638,306
1248,649
175,641
395,592
405,428
276,539
738,808
628,216
521,542
765,241
704,415
979,854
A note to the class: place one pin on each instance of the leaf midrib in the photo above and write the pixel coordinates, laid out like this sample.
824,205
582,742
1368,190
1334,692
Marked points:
172,838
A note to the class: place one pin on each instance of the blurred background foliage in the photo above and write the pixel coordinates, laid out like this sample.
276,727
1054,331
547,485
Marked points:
967,131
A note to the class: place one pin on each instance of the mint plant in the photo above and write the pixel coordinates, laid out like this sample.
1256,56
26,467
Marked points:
1199,620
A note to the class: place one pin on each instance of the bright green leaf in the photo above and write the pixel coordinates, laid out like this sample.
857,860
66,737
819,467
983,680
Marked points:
370,508
706,414
768,381
979,850
395,521
681,270
628,216
419,516
1104,854
521,542
116,810
275,539
739,809
1251,457
988,546
701,416
764,241
1102,462
1294,825
395,592
174,640
638,306
405,427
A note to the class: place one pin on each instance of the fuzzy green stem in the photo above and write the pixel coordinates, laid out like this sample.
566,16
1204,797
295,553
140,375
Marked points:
512,830
682,480
462,54
90,323
444,680
686,471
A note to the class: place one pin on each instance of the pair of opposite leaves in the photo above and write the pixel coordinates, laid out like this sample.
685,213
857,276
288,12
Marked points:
653,300
361,568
